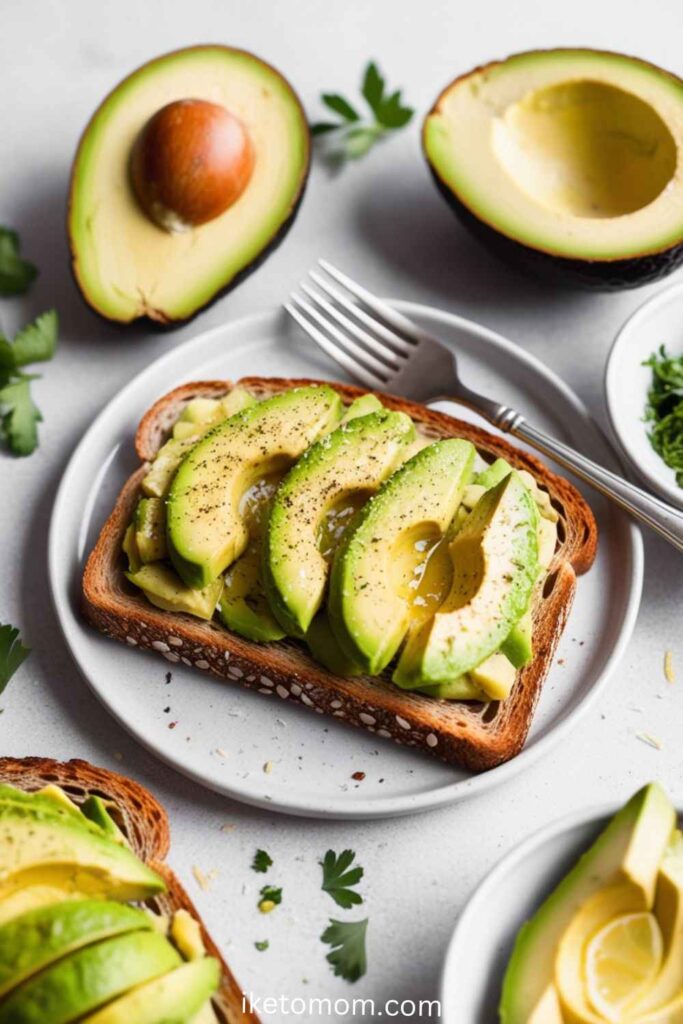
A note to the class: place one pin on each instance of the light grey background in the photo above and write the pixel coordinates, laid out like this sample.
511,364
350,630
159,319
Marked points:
382,219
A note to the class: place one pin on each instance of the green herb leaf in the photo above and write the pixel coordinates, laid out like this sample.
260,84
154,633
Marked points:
37,342
269,894
355,136
348,957
12,654
664,410
15,274
340,106
373,86
20,416
262,946
261,862
338,879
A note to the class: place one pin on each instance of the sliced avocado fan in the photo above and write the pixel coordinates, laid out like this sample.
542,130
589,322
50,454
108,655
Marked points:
174,998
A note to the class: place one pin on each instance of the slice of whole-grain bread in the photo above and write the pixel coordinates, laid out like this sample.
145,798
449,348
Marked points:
144,823
472,735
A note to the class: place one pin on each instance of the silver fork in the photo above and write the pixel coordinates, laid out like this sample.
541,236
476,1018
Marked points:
384,350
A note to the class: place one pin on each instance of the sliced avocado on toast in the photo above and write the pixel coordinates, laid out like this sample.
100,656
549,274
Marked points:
381,578
314,504
174,998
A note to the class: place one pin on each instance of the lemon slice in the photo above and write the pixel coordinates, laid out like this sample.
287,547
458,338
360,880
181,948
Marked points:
621,961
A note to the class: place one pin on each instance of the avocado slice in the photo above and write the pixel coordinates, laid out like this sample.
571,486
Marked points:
130,548
157,482
41,847
495,564
377,588
96,810
174,998
201,414
162,587
626,854
565,162
326,649
127,266
88,978
205,525
30,943
150,530
362,406
315,502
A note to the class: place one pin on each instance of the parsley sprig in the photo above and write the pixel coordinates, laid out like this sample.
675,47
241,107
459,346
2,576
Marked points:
664,411
338,879
352,135
19,415
262,861
347,956
12,654
15,274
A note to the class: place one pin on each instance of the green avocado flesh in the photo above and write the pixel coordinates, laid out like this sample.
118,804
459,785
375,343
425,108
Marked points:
381,579
150,530
88,978
574,153
96,810
35,940
162,587
626,856
206,531
175,998
67,854
313,504
326,649
128,267
495,564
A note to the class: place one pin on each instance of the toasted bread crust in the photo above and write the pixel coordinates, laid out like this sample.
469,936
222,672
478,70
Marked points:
474,736
145,824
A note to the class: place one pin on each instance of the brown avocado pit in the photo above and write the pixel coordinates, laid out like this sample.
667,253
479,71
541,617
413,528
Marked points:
192,160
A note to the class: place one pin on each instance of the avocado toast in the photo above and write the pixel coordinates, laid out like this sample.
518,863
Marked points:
473,733
75,929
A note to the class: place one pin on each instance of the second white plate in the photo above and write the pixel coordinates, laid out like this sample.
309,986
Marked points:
222,736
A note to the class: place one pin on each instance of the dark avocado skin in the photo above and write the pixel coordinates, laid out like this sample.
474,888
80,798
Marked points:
162,322
596,275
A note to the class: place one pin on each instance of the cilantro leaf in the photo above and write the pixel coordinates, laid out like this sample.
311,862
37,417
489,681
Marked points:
261,862
337,879
15,274
352,136
262,946
12,653
373,86
340,106
36,343
20,416
348,957
269,898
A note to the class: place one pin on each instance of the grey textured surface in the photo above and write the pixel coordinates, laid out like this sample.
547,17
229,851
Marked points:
384,221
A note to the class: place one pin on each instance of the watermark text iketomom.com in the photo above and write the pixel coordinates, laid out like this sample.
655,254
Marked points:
314,1008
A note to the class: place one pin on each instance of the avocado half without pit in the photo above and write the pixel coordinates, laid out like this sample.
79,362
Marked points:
567,163
189,173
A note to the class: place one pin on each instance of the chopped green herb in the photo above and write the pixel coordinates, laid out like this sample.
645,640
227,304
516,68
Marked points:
354,135
15,274
347,938
261,862
337,879
664,410
19,415
262,946
270,897
12,654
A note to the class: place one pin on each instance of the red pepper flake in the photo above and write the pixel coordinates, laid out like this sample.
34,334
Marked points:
172,725
358,776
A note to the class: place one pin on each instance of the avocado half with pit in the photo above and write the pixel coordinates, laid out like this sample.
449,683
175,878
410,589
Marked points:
568,162
189,173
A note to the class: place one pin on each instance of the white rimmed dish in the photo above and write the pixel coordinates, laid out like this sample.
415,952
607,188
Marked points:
659,321
226,734
481,944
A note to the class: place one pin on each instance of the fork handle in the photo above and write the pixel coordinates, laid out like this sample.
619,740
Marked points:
660,517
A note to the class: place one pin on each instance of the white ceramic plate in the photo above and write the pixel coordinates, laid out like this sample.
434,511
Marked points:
659,321
313,756
485,933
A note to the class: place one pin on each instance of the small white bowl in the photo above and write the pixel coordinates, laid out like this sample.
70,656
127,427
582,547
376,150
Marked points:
659,321
485,933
